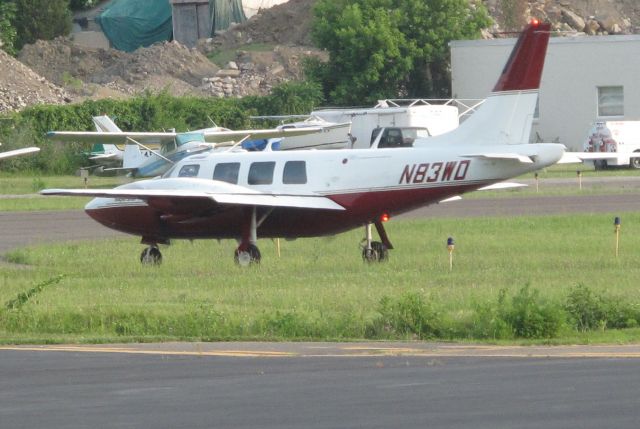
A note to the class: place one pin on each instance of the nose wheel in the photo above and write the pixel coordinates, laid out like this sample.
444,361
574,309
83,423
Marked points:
151,256
375,251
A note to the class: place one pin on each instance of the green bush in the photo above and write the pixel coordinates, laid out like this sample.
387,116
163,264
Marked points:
589,311
528,315
408,315
148,112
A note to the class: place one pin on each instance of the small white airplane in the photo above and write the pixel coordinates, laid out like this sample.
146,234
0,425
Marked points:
17,152
294,194
142,159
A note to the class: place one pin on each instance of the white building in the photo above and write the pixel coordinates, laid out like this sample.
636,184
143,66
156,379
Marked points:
585,79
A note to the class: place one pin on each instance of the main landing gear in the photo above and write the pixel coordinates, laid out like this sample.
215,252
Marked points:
247,252
151,255
375,251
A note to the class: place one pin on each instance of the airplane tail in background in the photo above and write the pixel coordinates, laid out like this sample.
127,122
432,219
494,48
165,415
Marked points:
505,117
105,124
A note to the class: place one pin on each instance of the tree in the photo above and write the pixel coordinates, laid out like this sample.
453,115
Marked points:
41,20
390,48
7,31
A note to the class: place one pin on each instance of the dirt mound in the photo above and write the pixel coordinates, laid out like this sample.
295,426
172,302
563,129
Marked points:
162,66
21,87
285,24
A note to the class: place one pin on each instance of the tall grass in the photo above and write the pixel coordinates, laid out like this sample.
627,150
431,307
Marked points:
512,278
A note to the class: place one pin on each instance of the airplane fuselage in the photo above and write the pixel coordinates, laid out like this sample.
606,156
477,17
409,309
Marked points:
367,183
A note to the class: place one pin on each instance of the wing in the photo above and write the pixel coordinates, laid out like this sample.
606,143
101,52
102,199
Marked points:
93,137
158,197
225,136
17,152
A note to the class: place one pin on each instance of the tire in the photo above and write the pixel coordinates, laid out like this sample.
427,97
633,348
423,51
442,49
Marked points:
634,163
600,164
151,256
377,253
250,256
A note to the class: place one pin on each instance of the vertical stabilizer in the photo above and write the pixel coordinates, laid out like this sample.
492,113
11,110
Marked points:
506,115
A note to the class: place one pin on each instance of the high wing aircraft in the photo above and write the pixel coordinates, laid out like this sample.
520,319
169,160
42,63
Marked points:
294,194
142,160
16,152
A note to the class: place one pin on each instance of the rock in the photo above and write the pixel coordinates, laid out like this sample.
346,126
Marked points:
592,27
228,73
574,21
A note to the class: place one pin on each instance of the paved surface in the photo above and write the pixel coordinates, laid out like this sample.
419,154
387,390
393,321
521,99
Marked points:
317,386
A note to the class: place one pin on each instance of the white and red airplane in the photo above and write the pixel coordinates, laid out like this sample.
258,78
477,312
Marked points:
296,194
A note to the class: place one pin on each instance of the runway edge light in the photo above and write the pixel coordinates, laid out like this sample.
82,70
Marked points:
617,224
450,247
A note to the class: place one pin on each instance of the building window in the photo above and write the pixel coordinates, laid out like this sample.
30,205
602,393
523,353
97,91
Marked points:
261,173
295,173
227,172
190,170
610,101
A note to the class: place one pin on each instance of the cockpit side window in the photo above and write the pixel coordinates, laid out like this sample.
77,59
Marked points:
227,172
190,170
294,173
392,137
261,173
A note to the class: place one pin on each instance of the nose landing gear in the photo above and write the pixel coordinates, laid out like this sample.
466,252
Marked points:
375,251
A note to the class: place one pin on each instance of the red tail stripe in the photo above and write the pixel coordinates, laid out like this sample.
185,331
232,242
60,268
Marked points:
524,68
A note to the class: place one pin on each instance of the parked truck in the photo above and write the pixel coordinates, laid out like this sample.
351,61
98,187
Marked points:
613,143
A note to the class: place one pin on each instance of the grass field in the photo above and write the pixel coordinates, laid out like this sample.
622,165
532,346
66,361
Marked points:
541,278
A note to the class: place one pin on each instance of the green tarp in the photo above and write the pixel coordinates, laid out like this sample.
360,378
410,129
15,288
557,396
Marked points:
130,24
223,12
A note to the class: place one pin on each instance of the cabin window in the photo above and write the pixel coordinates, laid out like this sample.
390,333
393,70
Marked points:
261,173
227,172
610,101
295,173
190,170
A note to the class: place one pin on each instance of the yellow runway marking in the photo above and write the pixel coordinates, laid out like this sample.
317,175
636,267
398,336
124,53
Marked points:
79,349
356,351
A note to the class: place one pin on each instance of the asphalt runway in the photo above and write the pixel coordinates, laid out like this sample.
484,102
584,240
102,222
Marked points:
317,385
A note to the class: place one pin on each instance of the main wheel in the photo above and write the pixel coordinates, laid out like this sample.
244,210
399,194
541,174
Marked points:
247,257
151,256
635,163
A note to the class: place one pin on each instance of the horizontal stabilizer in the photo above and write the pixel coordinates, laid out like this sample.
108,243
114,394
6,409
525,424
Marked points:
502,185
578,157
524,159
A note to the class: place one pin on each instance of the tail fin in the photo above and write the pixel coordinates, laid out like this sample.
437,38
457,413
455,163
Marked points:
506,115
104,123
